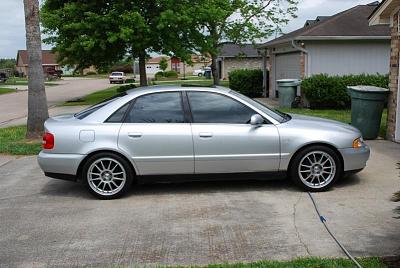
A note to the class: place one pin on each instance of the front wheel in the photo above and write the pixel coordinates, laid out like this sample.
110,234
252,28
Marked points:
107,175
200,75
316,168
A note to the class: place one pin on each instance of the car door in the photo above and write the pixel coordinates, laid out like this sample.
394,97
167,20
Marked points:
157,136
225,141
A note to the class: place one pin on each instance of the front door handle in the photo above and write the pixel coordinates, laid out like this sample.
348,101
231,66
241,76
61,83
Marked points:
205,134
135,134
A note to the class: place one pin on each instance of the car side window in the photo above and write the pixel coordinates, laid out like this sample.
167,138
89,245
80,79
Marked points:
163,107
209,107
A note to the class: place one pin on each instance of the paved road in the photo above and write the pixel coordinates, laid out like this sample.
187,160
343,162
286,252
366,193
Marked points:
15,106
46,222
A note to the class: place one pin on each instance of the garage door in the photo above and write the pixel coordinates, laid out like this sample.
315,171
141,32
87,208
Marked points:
287,66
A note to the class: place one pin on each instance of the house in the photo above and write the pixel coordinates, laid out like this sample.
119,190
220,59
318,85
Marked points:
388,14
234,56
49,61
337,45
176,64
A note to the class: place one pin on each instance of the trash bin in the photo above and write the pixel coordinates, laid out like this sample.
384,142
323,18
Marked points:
367,104
287,89
207,74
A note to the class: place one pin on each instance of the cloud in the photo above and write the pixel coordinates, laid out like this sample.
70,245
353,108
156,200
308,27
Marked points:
12,20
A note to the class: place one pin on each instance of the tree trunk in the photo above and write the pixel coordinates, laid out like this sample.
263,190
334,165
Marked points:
37,102
142,69
214,70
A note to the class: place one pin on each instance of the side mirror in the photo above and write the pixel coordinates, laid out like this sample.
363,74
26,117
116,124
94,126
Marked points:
256,120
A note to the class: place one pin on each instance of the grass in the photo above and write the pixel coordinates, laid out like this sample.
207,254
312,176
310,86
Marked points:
21,81
6,90
95,97
339,115
12,141
372,262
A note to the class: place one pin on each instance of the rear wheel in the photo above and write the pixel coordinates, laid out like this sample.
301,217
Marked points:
107,175
316,168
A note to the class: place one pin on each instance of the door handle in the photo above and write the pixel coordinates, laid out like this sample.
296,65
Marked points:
135,134
205,134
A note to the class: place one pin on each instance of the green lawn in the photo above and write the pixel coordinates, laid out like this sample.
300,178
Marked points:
20,81
305,263
6,90
12,141
95,97
339,115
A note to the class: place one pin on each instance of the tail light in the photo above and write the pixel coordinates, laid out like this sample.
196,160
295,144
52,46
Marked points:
48,141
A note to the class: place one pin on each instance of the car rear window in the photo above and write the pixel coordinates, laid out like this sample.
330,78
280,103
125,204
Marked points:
116,74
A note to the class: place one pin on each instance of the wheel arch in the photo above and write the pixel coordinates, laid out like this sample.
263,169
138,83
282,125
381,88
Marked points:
330,146
80,167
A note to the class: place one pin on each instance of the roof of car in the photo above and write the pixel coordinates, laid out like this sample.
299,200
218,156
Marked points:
158,88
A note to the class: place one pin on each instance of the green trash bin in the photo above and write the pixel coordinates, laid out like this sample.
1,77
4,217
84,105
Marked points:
207,74
367,103
287,89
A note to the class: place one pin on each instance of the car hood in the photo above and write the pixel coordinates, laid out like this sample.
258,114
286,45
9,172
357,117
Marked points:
313,122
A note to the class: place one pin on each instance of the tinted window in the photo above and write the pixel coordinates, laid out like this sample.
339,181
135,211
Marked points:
214,108
157,108
118,116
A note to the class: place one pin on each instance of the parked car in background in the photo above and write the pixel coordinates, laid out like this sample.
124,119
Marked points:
3,77
158,132
201,72
117,77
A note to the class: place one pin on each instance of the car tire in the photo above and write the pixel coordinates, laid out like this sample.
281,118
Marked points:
107,175
200,75
316,168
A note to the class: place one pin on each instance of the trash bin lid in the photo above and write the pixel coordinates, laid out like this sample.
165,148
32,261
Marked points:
289,82
369,89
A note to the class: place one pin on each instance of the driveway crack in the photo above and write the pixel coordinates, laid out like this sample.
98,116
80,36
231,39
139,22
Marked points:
295,226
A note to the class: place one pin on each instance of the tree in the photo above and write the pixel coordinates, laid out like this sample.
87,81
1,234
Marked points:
239,21
37,102
163,64
101,32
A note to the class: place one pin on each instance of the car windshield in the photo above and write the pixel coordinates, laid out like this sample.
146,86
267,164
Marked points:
116,74
275,114
84,113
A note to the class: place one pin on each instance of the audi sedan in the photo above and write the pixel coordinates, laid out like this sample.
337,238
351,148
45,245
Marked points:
167,132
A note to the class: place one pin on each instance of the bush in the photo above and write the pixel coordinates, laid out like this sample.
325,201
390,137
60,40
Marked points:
247,82
159,75
91,73
125,88
323,91
171,74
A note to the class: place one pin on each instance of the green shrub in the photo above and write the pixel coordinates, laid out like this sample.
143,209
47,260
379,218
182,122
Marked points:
91,73
125,88
323,91
171,74
247,82
159,75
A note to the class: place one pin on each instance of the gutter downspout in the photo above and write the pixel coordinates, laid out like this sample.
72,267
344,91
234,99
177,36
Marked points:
305,59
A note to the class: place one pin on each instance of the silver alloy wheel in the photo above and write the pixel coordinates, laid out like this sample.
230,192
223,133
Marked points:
317,169
106,176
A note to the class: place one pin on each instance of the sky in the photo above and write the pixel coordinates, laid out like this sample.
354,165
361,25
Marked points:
12,36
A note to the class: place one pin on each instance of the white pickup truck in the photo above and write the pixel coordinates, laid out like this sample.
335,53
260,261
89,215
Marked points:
117,77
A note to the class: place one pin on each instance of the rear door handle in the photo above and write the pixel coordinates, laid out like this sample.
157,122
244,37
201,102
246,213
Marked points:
135,134
205,134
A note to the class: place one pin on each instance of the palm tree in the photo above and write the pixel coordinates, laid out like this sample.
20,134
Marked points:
37,102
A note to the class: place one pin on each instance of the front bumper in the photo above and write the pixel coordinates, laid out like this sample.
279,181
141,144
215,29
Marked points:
60,163
355,159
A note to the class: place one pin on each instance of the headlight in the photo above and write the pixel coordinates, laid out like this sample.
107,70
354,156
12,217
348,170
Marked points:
358,143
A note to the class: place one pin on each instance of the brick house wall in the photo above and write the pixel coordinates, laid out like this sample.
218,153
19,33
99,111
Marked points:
393,78
230,64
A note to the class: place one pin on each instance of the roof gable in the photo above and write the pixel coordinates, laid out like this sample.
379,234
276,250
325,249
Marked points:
48,58
349,23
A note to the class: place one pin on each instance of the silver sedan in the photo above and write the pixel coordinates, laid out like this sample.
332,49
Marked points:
192,132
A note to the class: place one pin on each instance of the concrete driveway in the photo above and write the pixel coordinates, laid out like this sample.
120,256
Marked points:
15,106
46,222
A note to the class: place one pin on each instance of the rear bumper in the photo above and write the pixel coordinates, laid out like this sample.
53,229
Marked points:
60,163
355,159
